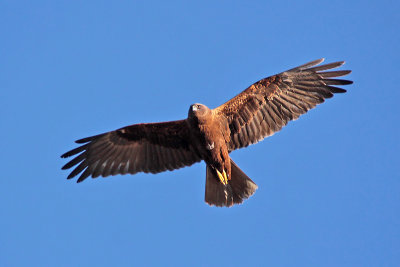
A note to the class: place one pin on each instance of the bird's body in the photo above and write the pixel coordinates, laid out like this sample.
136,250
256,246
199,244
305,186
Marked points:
210,134
211,137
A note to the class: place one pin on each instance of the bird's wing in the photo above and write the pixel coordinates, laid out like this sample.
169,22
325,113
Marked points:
147,147
269,104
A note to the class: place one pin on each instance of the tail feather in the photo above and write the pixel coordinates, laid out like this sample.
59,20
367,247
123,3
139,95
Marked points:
239,188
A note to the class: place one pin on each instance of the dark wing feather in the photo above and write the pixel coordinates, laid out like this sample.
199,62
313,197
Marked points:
269,104
146,147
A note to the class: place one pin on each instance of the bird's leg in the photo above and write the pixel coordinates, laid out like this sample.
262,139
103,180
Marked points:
222,177
225,177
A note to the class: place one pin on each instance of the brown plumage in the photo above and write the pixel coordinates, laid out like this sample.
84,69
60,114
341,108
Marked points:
210,135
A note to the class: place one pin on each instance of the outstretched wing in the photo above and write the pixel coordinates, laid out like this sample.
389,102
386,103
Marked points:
269,104
147,147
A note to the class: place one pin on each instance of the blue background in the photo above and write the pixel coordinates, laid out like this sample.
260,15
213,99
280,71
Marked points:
329,183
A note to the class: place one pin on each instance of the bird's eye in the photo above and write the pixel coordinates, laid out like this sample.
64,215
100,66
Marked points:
198,106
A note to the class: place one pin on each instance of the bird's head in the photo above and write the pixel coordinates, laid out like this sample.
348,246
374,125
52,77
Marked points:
198,111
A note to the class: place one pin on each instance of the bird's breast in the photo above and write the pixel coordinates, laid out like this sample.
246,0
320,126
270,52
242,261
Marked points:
210,141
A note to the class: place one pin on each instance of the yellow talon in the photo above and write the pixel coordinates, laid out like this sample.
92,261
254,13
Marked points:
225,177
222,177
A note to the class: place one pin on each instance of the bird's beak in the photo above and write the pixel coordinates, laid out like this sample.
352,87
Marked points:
194,108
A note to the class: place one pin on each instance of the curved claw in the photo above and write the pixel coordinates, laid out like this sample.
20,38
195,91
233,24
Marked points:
222,177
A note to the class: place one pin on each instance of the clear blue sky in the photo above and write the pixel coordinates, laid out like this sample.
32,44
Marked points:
329,183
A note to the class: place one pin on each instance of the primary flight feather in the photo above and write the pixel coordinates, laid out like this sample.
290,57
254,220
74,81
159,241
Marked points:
210,134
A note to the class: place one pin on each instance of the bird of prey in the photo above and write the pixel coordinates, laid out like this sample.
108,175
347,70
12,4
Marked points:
210,134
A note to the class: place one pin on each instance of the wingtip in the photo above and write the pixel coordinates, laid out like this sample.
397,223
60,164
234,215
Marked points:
343,72
308,65
341,63
81,141
84,140
64,167
315,62
88,139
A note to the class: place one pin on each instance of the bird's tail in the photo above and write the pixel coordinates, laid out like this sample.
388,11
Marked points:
239,188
